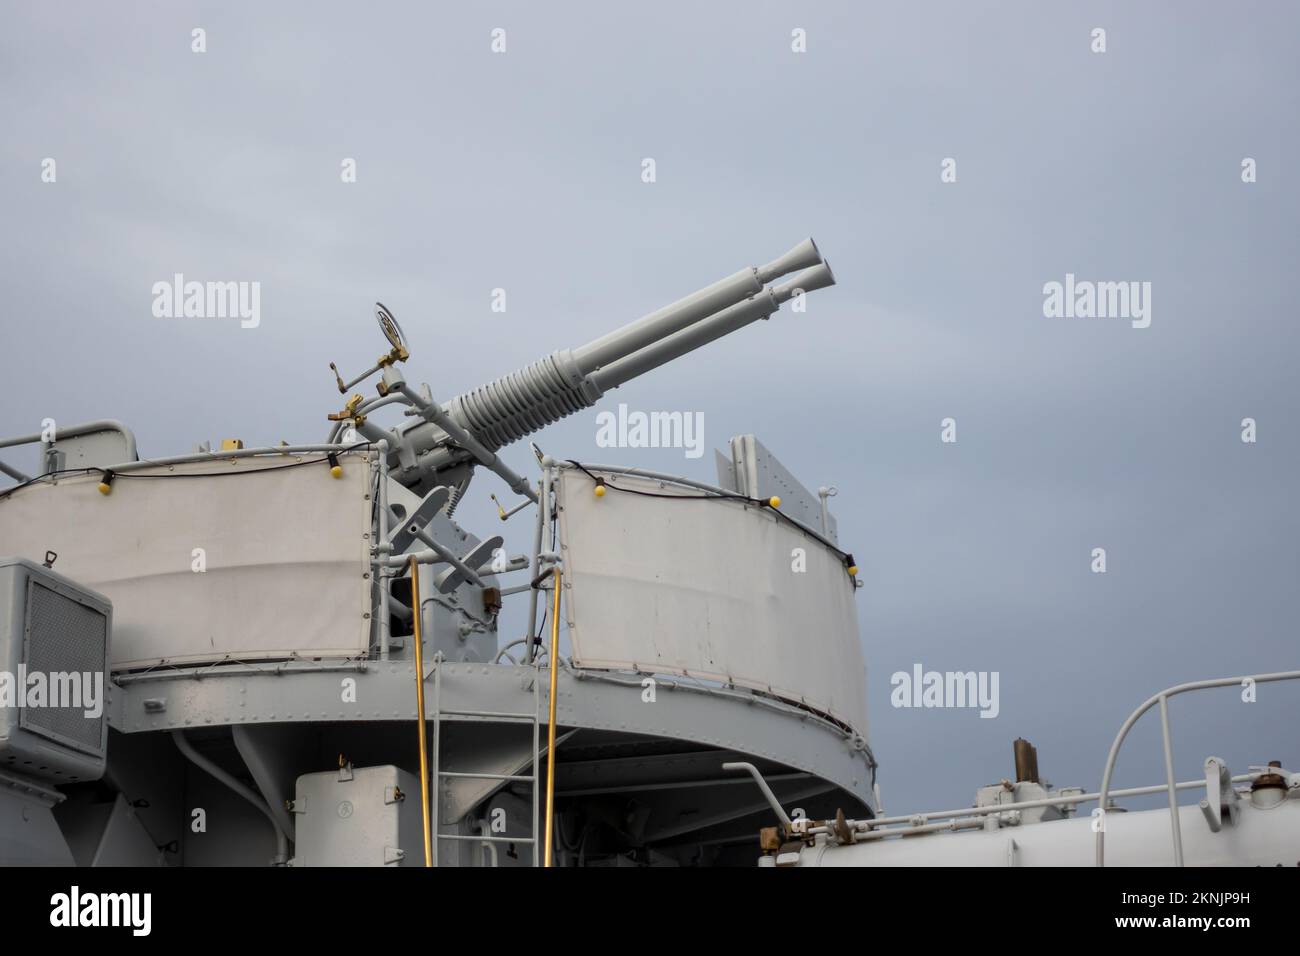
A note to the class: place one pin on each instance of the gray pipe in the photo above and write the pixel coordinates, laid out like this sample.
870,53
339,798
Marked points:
14,473
203,763
434,413
543,500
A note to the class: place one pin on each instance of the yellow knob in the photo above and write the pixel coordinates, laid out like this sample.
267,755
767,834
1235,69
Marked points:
774,501
600,491
337,471
104,487
853,569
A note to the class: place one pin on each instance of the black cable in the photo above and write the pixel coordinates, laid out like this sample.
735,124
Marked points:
107,472
49,474
655,494
715,495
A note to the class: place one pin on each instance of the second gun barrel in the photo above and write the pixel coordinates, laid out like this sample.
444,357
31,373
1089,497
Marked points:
687,311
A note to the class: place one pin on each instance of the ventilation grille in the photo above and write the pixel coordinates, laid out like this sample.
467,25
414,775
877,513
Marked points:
66,642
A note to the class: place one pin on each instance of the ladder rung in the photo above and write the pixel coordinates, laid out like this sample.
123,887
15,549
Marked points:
486,776
494,714
485,839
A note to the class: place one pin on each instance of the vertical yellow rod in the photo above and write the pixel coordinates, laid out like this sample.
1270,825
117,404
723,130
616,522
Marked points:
550,723
419,707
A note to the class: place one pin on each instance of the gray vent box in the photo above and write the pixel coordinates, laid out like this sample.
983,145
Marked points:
54,675
367,816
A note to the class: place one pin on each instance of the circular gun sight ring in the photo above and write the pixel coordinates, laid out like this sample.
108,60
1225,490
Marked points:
388,325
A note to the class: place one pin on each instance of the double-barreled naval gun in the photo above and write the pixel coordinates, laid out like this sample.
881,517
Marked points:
279,628
451,438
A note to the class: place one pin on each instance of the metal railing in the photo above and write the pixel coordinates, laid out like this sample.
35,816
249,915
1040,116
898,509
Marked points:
907,824
72,431
1162,700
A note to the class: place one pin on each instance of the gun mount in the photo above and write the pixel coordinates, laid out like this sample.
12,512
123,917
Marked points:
449,439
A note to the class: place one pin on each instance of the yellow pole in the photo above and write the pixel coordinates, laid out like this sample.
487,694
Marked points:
419,706
550,724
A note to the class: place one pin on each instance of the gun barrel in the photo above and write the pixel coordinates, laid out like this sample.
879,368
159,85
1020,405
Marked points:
691,309
503,411
708,330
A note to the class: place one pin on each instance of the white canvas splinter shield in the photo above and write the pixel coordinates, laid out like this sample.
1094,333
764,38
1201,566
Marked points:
708,588
260,561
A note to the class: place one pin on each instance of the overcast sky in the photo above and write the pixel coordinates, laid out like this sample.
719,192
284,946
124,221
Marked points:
522,171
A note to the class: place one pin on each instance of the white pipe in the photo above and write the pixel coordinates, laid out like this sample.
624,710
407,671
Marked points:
281,451
382,550
1063,800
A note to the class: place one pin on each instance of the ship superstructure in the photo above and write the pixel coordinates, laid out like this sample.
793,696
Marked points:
293,655
267,605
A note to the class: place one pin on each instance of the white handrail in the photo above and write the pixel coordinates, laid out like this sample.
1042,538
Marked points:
1162,699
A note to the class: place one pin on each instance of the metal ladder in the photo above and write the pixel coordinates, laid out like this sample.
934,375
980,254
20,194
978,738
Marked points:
439,774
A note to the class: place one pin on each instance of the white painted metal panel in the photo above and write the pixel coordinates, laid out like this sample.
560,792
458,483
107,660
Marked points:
286,552
757,473
1138,838
707,588
358,819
